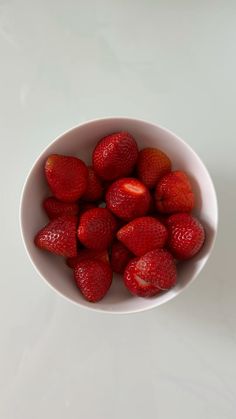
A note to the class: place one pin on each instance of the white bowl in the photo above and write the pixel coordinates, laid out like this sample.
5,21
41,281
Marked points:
80,141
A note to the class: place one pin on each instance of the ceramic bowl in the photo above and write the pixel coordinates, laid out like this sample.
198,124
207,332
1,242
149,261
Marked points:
80,141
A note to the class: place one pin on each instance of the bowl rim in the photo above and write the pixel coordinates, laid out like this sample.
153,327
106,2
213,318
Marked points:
155,303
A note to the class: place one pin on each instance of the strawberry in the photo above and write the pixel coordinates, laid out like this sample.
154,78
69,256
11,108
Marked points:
120,256
142,235
94,189
54,208
158,268
152,164
135,284
67,177
97,228
59,236
115,156
128,198
174,193
186,235
88,254
93,277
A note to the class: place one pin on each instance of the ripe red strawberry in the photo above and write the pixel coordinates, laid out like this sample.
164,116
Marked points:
152,165
120,257
142,235
135,284
54,208
158,268
93,277
59,236
97,228
128,198
94,189
67,177
174,193
115,156
88,254
186,235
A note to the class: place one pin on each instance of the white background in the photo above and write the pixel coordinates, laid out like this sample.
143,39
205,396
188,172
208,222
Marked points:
64,62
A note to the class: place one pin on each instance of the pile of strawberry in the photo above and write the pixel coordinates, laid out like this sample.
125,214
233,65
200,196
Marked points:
144,228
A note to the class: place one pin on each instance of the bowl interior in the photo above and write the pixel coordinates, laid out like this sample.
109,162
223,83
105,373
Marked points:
80,142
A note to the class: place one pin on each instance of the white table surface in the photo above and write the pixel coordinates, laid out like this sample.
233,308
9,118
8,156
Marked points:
64,62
